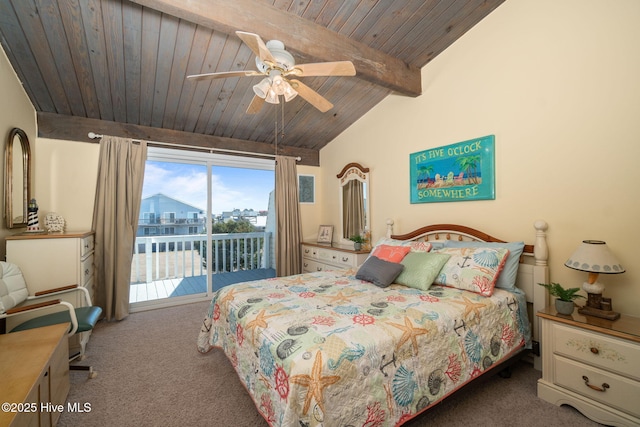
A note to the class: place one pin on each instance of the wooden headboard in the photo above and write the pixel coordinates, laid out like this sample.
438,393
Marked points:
533,262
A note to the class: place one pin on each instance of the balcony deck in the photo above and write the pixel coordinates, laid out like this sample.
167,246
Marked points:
167,288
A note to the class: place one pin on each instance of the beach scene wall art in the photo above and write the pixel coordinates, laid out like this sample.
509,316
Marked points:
454,173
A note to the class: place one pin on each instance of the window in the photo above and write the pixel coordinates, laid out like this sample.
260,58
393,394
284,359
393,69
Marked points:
185,193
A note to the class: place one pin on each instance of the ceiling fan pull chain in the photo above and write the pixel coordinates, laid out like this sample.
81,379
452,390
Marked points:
282,123
276,130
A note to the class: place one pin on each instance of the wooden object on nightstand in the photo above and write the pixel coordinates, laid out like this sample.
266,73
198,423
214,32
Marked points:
592,364
325,256
50,261
34,370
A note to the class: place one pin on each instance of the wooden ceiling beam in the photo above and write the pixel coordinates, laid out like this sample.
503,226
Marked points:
58,126
311,42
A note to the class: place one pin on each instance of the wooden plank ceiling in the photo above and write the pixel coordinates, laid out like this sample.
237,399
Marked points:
119,67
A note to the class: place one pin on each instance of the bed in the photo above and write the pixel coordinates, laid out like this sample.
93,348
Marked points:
329,348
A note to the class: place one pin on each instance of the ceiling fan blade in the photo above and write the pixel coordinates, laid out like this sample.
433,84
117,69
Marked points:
339,68
258,46
223,75
311,96
256,105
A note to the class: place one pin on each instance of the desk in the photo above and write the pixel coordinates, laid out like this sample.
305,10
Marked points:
34,369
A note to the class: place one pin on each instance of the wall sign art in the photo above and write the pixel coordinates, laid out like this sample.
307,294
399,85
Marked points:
454,173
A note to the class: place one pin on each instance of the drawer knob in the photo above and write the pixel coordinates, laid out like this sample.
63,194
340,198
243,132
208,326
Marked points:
594,350
604,387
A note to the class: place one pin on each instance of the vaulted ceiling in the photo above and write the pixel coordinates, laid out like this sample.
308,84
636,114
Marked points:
119,67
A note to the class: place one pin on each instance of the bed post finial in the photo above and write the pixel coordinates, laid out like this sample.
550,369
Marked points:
389,228
540,249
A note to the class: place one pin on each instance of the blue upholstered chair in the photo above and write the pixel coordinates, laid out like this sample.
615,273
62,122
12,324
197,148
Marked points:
15,301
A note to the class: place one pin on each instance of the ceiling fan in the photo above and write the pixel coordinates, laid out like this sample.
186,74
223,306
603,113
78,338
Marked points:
280,74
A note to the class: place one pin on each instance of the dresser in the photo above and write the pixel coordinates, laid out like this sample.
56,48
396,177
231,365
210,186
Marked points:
593,365
50,261
35,376
324,256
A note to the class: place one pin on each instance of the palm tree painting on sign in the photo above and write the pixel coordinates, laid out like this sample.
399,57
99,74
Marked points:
462,171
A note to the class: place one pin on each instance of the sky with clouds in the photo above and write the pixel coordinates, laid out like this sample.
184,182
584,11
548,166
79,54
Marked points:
233,188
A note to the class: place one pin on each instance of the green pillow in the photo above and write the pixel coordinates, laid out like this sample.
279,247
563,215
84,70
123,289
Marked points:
421,269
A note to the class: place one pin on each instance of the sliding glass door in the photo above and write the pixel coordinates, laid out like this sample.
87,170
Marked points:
205,222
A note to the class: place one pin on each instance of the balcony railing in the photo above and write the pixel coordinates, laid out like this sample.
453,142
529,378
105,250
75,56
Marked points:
164,257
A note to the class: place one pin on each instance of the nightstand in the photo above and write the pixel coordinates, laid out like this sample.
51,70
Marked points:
592,364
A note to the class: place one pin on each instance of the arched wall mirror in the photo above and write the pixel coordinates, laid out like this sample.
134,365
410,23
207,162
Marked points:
17,178
355,214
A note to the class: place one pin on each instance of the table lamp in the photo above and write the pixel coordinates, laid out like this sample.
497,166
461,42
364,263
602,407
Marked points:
594,257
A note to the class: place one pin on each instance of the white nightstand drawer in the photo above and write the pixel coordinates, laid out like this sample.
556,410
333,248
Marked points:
597,349
605,387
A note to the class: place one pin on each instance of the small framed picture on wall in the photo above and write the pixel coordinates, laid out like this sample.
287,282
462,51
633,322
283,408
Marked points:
307,188
325,234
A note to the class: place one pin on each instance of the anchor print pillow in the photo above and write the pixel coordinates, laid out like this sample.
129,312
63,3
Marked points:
472,269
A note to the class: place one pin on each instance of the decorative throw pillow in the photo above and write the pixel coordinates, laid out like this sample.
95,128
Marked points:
421,268
509,274
414,245
472,269
378,271
391,253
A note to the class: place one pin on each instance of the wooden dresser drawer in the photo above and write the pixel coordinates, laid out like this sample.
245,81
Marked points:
316,257
599,385
86,270
337,258
598,350
310,266
87,245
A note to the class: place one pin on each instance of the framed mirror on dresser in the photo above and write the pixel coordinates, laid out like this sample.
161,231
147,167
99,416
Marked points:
355,213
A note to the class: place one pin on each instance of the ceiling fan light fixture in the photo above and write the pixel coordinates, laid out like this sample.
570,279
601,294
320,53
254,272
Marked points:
279,85
262,88
289,93
272,97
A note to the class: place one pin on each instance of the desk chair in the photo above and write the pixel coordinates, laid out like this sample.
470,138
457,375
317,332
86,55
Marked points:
14,292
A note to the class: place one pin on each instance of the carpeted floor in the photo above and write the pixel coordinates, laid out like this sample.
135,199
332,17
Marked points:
150,374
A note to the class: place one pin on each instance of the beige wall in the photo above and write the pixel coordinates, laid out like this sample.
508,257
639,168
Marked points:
65,173
16,111
557,83
310,213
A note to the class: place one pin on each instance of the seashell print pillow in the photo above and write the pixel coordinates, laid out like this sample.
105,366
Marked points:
472,269
416,246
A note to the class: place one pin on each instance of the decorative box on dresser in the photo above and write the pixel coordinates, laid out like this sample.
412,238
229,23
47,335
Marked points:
325,256
34,370
53,260
592,364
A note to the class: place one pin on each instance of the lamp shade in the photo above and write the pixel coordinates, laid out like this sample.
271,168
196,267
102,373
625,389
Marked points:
594,256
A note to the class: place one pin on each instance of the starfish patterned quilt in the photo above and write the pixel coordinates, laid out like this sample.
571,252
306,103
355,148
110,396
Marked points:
328,349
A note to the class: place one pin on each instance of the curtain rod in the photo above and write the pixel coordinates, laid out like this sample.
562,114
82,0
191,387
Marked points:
93,135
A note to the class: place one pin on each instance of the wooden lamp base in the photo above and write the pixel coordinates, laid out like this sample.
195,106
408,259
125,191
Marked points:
598,307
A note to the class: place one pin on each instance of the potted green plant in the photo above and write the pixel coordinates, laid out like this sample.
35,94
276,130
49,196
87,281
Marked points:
357,240
564,297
